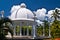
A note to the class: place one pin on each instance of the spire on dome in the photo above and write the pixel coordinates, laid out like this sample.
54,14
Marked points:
23,5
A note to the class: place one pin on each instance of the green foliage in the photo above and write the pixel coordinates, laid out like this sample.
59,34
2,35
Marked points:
17,28
4,28
39,30
55,29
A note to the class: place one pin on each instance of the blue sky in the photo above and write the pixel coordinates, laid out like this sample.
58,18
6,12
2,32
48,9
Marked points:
31,4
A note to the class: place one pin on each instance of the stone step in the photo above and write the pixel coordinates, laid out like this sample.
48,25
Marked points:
23,38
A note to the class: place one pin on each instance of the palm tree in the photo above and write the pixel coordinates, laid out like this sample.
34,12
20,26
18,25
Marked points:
3,28
55,14
55,27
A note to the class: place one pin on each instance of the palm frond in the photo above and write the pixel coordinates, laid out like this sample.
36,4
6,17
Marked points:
2,21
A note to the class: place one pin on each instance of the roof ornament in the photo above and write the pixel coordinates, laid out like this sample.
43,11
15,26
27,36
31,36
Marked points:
23,5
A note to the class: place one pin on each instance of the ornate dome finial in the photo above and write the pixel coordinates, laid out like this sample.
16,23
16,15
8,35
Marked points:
23,5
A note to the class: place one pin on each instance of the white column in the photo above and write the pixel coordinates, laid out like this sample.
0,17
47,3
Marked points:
27,30
14,30
34,31
23,30
43,31
20,28
49,31
20,31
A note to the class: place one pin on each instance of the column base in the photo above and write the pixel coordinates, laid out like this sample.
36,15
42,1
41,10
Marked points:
43,34
20,34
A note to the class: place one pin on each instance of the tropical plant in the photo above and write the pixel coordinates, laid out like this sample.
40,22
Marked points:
55,14
4,27
55,27
17,30
39,30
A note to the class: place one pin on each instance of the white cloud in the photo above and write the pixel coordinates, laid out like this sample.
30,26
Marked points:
15,8
49,15
41,13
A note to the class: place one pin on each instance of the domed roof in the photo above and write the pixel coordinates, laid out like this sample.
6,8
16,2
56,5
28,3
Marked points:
22,13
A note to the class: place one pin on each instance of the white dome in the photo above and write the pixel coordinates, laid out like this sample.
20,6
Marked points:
22,13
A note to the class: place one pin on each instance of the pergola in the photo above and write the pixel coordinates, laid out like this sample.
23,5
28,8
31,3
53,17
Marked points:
23,17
